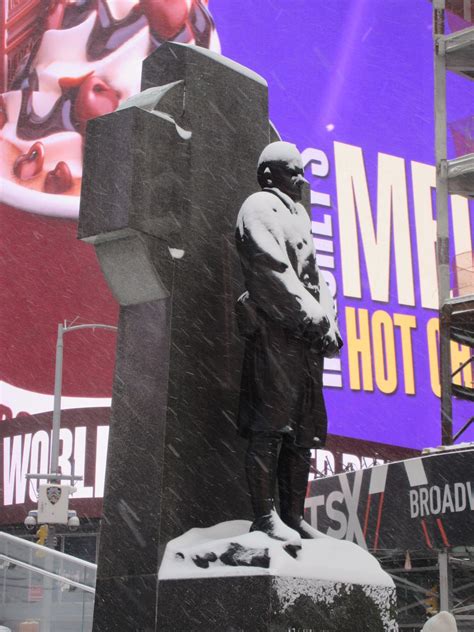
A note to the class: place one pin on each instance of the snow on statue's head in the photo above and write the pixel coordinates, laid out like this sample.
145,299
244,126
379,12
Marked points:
280,166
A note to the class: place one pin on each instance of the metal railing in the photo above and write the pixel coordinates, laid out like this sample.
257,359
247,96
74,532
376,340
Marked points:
47,589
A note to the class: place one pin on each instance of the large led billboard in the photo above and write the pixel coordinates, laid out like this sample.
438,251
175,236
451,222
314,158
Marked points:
351,83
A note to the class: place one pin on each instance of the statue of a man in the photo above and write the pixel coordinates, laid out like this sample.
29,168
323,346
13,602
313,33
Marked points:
288,319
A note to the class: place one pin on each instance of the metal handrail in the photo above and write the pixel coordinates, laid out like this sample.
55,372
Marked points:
41,571
37,547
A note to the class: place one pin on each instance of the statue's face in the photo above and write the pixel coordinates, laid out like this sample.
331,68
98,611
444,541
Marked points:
289,178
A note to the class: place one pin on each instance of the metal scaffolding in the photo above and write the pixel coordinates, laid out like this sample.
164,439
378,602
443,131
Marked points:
452,52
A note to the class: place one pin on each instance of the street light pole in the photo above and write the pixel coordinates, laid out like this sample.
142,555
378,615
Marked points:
54,477
58,382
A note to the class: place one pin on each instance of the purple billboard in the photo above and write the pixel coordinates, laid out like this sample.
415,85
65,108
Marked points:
352,85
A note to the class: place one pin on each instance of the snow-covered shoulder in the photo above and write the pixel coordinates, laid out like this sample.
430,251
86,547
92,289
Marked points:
228,549
260,209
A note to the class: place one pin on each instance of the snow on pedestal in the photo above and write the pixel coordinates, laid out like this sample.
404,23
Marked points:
330,579
324,558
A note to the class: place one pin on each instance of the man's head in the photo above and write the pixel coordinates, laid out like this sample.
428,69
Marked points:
280,165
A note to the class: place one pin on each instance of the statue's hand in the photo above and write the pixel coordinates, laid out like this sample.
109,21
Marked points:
330,344
314,332
323,326
317,328
246,314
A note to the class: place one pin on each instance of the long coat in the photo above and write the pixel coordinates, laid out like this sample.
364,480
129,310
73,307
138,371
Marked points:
288,319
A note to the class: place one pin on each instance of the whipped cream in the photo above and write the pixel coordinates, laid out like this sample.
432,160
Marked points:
84,67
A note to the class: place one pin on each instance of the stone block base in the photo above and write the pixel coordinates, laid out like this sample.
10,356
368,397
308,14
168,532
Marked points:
273,604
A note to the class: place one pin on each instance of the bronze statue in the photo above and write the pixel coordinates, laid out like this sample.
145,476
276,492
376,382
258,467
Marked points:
288,319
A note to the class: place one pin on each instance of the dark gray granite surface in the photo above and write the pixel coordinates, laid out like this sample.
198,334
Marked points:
154,180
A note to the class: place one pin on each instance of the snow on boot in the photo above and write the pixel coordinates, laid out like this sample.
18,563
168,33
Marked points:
275,528
306,531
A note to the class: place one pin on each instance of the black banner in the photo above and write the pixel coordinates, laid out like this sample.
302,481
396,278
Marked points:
419,503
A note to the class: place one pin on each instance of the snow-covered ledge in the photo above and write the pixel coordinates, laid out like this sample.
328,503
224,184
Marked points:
228,549
231,579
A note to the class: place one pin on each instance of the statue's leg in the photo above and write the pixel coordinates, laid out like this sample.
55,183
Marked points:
261,465
293,472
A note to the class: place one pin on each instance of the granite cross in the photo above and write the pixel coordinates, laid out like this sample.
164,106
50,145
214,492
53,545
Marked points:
164,177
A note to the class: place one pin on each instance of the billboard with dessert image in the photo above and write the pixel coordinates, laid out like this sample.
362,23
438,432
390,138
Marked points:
85,59
64,62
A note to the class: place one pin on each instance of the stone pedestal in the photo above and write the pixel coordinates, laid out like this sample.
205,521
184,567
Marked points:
225,578
273,604
164,177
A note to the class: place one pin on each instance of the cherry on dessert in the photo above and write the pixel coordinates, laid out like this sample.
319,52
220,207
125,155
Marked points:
68,83
59,180
165,17
29,165
94,98
3,112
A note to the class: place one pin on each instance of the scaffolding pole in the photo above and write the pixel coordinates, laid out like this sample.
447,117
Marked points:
442,225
